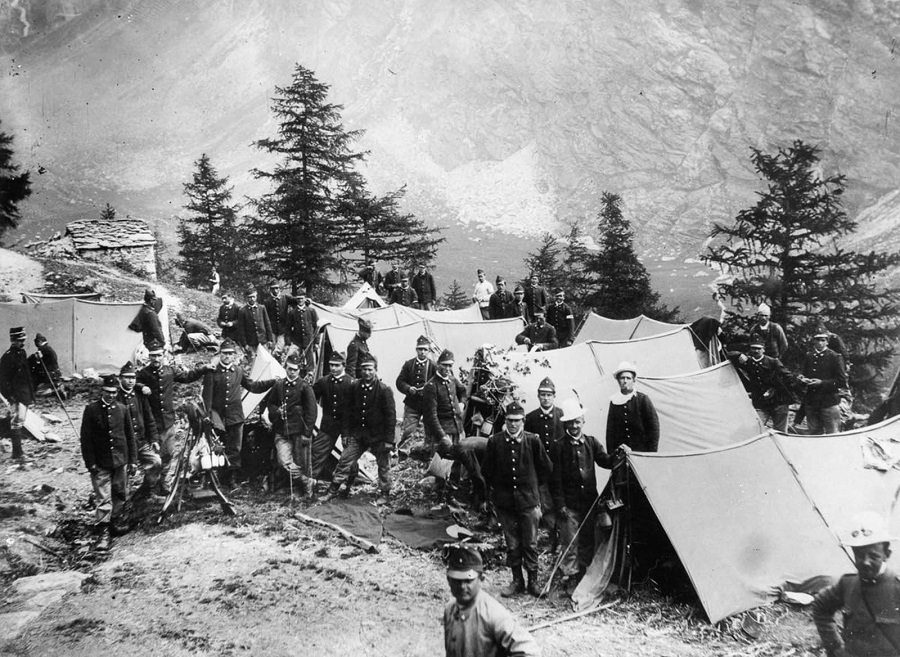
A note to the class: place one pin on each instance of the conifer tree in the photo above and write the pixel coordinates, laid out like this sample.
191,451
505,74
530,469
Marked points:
575,260
786,251
14,187
456,298
299,231
108,213
210,235
622,288
544,263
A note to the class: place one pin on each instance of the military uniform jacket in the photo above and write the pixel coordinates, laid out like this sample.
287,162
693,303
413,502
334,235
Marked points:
333,393
15,377
871,614
405,296
107,438
391,280
147,323
228,322
535,297
560,317
486,629
423,284
442,414
772,337
47,355
415,373
302,324
255,328
500,305
574,480
767,382
828,366
277,310
357,347
222,391
294,401
161,382
634,423
143,424
515,468
545,335
548,426
373,415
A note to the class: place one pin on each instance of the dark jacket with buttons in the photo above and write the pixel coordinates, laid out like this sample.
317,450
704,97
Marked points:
15,376
228,322
222,390
147,323
161,382
500,305
405,296
107,437
441,413
560,317
295,402
415,374
255,328
548,427
634,423
302,324
827,365
544,334
423,284
373,415
515,469
357,347
277,309
333,394
143,424
574,480
767,382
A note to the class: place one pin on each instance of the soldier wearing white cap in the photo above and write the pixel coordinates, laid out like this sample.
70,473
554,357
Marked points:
475,624
771,334
869,599
632,418
825,378
16,386
574,486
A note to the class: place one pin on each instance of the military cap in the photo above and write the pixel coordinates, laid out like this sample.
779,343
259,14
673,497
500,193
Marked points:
422,341
757,342
364,324
404,277
764,309
558,291
519,290
155,347
251,289
39,339
464,563
17,333
228,345
337,358
127,369
539,311
294,359
446,357
149,294
514,411
110,383
365,359
547,385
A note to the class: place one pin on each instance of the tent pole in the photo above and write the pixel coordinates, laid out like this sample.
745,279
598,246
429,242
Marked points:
58,397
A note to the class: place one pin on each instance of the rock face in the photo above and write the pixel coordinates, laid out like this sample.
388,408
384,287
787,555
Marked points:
514,114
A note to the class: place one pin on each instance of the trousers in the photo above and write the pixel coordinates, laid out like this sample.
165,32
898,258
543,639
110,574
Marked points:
520,531
110,493
353,449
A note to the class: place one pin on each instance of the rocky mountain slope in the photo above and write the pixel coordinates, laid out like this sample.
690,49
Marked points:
512,115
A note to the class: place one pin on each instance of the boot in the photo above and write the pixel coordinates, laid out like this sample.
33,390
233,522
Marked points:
17,435
533,588
104,542
517,585
333,492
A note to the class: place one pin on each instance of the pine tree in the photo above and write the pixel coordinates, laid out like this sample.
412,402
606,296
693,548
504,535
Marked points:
575,260
108,213
544,263
298,230
622,287
210,235
376,229
456,298
785,251
14,187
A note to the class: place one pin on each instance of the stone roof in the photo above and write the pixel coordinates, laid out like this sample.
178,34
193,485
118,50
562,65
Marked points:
115,234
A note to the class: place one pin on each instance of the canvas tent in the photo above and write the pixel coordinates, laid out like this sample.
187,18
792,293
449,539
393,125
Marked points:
601,328
364,297
84,334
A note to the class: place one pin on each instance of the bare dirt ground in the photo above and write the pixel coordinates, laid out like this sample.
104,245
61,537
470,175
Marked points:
263,583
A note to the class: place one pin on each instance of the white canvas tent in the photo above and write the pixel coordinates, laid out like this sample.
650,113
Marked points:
364,297
597,327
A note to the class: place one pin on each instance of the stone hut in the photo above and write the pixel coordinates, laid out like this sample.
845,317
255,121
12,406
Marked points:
126,243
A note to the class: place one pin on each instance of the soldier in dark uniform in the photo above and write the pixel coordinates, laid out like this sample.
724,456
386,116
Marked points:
518,308
538,336
391,280
825,378
414,374
501,301
546,422
228,318
143,426
277,306
443,398
333,394
373,421
515,465
255,328
372,276
44,364
358,347
303,325
560,317
110,454
292,411
147,321
632,418
17,387
423,284
535,298
405,295
768,383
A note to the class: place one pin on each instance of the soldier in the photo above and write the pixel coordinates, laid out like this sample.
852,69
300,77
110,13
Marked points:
358,347
110,454
574,485
825,378
391,280
302,328
771,334
143,426
254,326
414,374
560,317
423,284
373,420
333,394
195,336
482,294
546,422
292,411
515,465
147,321
157,381
535,298
221,394
632,418
277,305
518,308
17,387
768,383
44,365
538,336
228,318
372,276
443,399
404,295
501,302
